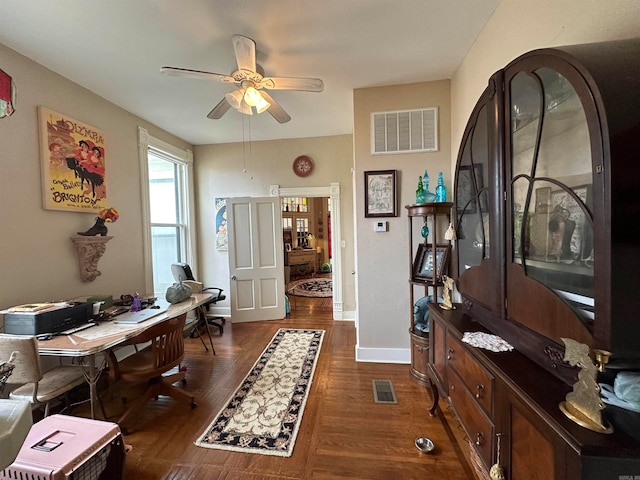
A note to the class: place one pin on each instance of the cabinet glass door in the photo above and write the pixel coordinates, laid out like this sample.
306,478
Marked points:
479,211
472,196
552,187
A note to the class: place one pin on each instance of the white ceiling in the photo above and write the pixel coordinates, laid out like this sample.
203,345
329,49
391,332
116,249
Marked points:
115,48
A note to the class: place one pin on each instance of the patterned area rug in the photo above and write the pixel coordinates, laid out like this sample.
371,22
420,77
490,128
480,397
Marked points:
311,287
264,413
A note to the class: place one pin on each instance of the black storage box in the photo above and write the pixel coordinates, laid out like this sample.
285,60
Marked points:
52,321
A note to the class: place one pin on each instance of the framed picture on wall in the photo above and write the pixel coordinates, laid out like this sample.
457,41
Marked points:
222,240
73,162
380,193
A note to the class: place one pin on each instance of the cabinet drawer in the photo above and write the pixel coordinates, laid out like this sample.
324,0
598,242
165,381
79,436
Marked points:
473,375
475,422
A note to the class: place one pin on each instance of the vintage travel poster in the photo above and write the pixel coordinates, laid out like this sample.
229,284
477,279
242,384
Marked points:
221,224
73,159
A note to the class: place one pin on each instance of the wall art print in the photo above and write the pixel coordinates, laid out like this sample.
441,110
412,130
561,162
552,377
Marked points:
73,161
380,197
222,242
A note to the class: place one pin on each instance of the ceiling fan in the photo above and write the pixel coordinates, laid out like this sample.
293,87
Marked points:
251,82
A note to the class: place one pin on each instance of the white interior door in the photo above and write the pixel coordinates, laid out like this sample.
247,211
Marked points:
255,259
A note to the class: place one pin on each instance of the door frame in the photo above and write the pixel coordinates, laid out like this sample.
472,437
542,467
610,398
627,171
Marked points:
333,193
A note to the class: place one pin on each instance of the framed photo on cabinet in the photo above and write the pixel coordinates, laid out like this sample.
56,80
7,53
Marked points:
423,264
380,193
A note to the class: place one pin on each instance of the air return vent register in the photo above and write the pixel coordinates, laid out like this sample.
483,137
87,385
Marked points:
404,131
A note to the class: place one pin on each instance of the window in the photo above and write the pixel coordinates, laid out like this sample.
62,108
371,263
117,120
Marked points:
168,187
295,212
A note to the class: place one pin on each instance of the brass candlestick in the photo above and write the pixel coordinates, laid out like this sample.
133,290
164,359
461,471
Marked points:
583,405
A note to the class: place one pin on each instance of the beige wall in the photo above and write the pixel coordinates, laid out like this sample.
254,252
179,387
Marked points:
382,268
219,173
37,260
518,26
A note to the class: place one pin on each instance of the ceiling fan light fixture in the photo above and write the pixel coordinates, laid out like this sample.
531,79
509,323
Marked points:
244,108
262,105
252,96
235,98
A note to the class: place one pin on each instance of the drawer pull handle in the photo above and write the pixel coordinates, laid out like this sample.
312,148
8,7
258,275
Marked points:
450,356
479,390
479,438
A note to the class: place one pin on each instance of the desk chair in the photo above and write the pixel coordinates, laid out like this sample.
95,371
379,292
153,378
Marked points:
182,271
37,387
152,364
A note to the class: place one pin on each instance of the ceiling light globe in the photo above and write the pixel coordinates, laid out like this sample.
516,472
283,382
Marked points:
262,105
252,96
234,98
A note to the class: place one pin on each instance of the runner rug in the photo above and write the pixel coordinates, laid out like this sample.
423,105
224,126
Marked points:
312,287
264,413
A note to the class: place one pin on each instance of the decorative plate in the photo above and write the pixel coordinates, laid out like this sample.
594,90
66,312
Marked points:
303,166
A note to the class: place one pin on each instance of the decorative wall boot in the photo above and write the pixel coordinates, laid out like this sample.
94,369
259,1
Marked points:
99,228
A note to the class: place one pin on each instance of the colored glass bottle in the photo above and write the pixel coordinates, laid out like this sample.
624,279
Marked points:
428,196
420,192
441,190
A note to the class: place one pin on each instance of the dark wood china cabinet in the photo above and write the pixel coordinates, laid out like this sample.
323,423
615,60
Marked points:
547,214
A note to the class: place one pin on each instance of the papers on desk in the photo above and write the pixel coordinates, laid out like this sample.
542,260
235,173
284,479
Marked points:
137,317
35,308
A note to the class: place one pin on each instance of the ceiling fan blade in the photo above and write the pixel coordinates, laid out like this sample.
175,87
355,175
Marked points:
219,110
293,83
184,72
275,110
245,50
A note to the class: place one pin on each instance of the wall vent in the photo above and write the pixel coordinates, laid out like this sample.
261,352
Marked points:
404,131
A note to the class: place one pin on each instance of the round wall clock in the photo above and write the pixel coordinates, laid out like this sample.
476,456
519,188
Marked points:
303,166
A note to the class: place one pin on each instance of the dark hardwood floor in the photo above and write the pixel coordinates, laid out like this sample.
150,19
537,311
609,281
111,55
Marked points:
344,433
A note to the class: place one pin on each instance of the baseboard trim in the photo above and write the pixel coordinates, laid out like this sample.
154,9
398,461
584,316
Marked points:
383,355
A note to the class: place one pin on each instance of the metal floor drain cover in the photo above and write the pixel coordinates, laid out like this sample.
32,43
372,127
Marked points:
383,392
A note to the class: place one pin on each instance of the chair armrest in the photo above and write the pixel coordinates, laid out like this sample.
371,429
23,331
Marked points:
217,296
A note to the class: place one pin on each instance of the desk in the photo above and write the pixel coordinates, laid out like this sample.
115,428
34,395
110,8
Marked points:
306,257
85,344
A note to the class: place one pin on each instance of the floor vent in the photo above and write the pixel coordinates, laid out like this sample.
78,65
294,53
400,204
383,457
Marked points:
383,392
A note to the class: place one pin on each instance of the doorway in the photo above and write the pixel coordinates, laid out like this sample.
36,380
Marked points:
332,192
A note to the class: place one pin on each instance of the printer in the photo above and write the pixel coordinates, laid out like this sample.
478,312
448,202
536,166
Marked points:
49,320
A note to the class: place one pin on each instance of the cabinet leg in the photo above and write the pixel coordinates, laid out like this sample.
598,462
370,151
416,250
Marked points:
435,398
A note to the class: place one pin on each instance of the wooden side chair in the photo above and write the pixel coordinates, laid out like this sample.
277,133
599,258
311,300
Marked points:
36,386
152,364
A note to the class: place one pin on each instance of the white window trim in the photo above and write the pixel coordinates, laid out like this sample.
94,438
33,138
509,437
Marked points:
144,142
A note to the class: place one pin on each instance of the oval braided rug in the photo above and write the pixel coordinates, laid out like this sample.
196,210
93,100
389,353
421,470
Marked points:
311,287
